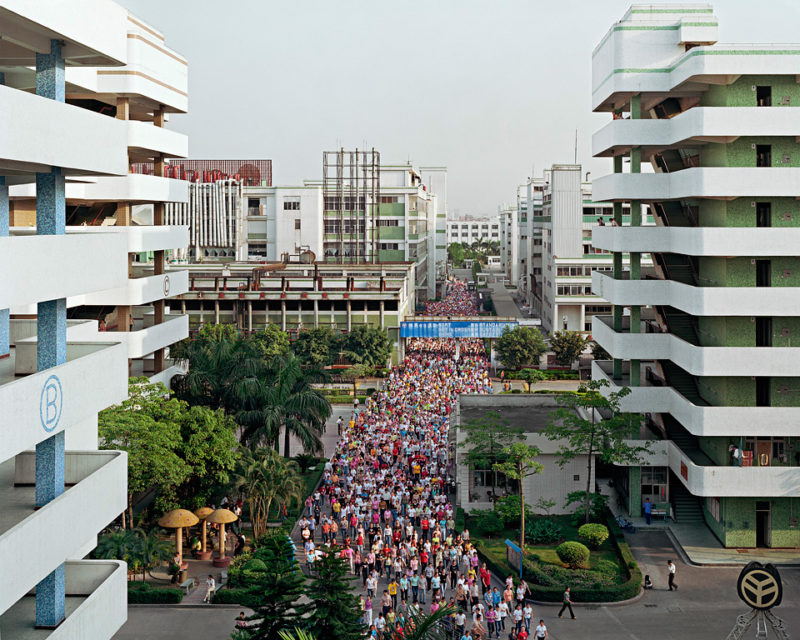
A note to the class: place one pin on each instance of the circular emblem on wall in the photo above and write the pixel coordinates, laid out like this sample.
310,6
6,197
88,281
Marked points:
166,285
50,403
759,586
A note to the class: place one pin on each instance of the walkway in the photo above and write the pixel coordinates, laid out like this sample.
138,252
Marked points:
504,304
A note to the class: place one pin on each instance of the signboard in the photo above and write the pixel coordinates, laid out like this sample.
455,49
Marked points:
514,556
759,586
455,329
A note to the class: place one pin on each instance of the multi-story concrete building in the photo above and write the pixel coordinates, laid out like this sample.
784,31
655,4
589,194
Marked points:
82,93
407,223
706,346
469,229
565,256
510,241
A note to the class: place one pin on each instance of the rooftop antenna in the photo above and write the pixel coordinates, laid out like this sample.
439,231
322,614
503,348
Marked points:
575,161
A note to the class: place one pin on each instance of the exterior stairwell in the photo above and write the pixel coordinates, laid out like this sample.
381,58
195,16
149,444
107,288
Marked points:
683,382
687,509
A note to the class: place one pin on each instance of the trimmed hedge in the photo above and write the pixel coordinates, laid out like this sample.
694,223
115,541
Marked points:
143,593
593,534
241,597
573,554
345,399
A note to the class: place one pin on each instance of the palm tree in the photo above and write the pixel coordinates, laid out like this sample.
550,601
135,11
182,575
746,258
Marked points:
263,477
117,545
284,401
152,550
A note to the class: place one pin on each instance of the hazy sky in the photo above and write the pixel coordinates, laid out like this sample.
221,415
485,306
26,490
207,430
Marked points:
493,89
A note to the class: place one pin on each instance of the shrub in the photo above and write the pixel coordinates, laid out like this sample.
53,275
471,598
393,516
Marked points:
573,554
542,531
143,593
597,506
241,597
256,564
507,510
490,524
461,519
593,534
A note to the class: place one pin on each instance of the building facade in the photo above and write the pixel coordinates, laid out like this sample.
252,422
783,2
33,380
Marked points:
706,345
564,257
469,229
78,110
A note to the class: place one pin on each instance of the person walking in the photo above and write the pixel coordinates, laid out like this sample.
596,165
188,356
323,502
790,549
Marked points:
671,569
648,510
541,631
567,604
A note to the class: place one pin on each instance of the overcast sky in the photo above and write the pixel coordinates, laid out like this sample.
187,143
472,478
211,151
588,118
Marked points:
493,89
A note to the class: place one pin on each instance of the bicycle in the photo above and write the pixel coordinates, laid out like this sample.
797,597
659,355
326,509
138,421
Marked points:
626,525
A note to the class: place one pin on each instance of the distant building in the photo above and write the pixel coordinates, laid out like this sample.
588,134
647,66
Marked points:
470,230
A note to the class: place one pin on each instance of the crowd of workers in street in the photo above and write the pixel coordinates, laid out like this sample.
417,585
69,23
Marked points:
384,499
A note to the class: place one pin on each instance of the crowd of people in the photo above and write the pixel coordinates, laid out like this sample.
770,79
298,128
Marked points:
459,301
383,504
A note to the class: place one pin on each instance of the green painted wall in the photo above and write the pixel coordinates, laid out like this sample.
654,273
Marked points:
727,391
741,93
392,209
392,233
738,524
716,448
391,255
741,153
635,496
726,331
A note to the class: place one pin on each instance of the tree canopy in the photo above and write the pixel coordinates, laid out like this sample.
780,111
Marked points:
317,347
486,439
520,346
367,345
568,346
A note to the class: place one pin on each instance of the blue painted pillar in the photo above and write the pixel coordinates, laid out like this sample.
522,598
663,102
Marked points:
51,341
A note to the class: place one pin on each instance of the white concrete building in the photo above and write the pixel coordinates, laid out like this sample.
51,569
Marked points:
510,241
293,219
469,229
706,346
564,218
78,106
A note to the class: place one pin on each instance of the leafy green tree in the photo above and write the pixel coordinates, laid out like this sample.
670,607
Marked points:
279,591
455,251
486,438
335,609
146,426
598,353
209,447
606,438
520,346
271,341
567,346
117,545
367,345
317,347
520,463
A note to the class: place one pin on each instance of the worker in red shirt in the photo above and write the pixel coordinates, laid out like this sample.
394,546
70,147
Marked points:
486,578
425,524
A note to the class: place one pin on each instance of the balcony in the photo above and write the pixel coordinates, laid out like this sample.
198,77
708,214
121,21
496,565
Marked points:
93,378
96,604
138,291
133,187
697,360
29,550
149,339
698,301
48,133
699,182
37,268
699,124
145,140
701,241
699,420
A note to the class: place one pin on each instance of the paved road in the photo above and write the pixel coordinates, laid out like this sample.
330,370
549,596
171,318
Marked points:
177,623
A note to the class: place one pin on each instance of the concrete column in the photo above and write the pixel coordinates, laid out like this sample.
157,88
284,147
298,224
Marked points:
382,310
283,315
5,318
349,317
51,347
216,311
316,313
249,315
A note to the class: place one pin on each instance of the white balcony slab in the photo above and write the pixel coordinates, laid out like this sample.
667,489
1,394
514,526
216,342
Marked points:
38,405
133,187
165,377
146,341
699,361
93,36
723,481
47,134
146,139
700,241
699,124
34,542
701,420
699,182
37,268
699,301
138,291
96,604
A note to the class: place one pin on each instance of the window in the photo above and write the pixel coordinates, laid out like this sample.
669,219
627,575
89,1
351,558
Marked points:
291,204
712,506
389,246
297,224
763,96
391,199
654,484
763,214
389,223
